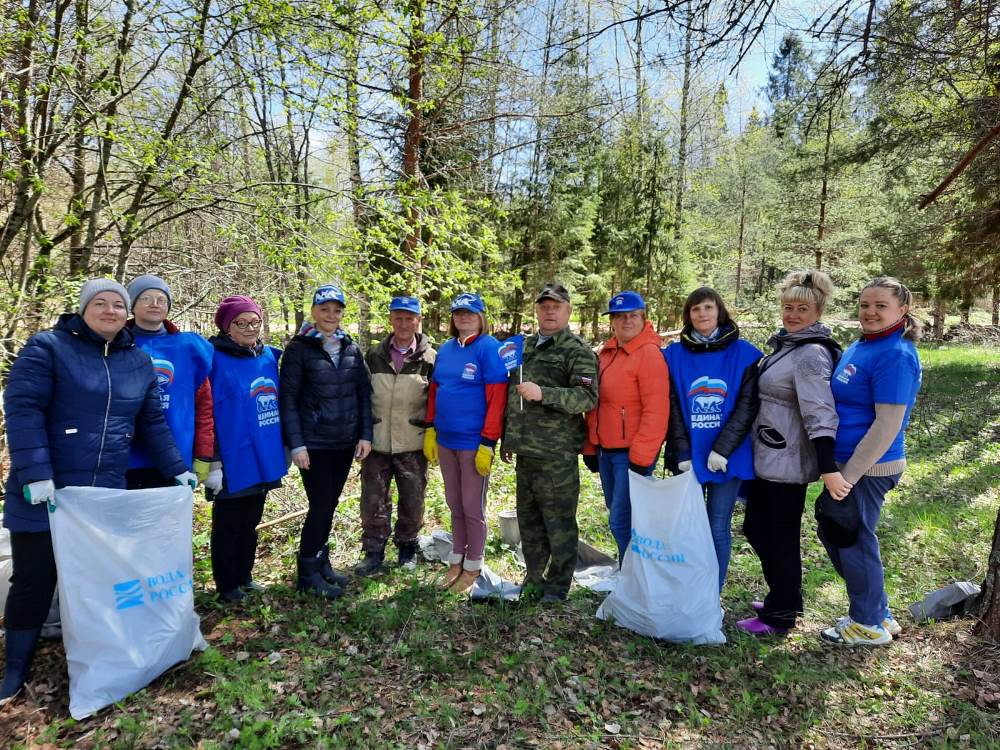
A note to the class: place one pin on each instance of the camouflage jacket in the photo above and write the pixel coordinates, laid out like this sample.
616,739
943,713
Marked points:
566,370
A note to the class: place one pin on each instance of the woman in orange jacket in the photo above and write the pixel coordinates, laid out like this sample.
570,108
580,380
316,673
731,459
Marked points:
629,423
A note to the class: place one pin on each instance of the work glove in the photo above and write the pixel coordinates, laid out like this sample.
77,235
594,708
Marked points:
37,493
683,466
590,461
213,481
431,445
717,462
484,460
189,478
201,469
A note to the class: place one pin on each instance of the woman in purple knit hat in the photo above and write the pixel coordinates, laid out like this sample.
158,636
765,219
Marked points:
251,456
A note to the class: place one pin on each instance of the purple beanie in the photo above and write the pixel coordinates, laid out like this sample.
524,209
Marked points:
230,307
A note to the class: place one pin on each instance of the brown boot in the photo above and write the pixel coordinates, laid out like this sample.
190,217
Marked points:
450,577
464,582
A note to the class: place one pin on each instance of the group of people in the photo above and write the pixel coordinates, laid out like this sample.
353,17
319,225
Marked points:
109,400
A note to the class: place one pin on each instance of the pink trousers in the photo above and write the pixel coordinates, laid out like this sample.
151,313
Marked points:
465,493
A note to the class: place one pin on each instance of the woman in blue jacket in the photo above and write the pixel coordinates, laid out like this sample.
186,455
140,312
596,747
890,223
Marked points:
874,385
713,404
248,432
76,398
326,417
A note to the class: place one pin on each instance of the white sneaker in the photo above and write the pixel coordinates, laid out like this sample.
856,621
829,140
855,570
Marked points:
891,625
849,633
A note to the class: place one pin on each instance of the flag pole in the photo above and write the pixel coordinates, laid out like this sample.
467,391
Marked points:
520,378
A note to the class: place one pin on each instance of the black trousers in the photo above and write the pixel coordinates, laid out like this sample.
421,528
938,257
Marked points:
145,478
33,582
234,539
773,526
323,481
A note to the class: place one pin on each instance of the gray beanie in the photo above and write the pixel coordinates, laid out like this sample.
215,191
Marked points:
146,282
95,286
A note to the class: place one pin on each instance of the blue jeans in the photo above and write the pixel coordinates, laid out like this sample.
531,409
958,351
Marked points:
613,466
860,565
721,501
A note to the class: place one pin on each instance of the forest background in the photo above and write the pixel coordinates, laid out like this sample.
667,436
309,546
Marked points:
261,146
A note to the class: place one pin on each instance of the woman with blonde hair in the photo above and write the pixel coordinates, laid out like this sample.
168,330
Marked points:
793,445
874,385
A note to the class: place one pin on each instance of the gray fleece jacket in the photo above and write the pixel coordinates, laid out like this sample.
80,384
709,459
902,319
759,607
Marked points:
796,405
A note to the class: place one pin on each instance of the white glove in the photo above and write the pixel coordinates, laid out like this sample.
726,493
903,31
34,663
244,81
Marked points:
683,466
37,493
214,479
717,462
189,478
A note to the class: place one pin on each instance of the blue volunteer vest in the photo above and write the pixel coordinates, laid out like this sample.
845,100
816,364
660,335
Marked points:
708,385
247,425
181,362
462,374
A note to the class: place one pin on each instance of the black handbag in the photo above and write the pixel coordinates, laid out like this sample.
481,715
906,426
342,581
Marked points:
838,520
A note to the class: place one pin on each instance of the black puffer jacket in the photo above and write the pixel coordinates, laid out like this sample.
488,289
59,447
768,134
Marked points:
740,420
324,406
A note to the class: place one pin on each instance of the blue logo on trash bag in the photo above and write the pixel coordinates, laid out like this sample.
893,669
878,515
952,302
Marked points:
154,589
128,594
651,548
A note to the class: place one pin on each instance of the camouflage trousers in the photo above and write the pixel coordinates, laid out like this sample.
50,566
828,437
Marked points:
548,490
377,472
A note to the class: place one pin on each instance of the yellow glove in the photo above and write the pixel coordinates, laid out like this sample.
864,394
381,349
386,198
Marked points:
484,460
201,469
431,445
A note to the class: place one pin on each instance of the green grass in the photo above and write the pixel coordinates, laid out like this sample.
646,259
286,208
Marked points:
398,664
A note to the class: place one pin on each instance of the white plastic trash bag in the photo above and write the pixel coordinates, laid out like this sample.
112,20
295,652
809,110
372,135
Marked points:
6,565
125,589
668,586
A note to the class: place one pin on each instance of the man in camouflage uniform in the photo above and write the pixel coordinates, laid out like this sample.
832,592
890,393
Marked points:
400,368
545,427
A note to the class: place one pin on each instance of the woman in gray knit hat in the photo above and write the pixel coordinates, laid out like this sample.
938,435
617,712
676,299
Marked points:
76,398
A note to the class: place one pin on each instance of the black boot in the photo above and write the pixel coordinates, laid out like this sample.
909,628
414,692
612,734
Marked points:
311,582
326,570
408,555
20,650
371,565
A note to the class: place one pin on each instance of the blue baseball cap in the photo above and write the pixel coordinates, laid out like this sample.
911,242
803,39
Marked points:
406,304
471,302
329,293
625,302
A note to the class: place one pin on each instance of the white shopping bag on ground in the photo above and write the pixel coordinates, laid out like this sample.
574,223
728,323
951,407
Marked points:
125,589
6,564
668,586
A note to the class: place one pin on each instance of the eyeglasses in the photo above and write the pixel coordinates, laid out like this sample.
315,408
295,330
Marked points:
152,300
245,325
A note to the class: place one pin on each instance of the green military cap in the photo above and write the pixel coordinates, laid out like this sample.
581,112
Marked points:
552,291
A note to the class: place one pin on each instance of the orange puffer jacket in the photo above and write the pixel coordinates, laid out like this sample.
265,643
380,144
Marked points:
633,402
